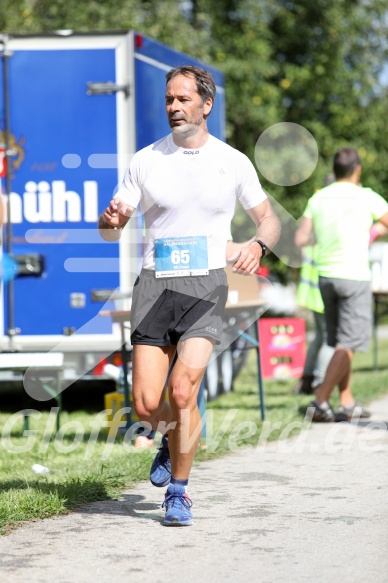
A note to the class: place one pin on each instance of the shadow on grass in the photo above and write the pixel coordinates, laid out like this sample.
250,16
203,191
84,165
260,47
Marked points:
80,496
72,493
70,436
131,505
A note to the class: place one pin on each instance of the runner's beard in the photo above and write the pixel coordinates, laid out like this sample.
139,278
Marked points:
185,131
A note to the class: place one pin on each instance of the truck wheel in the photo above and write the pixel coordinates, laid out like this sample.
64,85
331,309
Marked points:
225,363
240,349
211,380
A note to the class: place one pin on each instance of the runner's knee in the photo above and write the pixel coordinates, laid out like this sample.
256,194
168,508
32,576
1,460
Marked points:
147,409
182,393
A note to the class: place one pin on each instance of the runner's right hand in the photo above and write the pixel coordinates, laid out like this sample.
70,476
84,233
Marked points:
112,216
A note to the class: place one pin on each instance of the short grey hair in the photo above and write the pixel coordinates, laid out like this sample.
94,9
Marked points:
204,80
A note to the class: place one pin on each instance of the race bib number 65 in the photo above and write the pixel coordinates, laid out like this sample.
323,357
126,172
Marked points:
181,256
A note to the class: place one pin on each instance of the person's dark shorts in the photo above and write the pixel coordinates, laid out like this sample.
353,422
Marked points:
167,310
348,312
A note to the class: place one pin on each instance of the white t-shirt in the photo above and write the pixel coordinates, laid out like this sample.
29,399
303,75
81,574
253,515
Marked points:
190,192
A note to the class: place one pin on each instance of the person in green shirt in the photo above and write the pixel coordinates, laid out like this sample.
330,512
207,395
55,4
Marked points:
309,296
338,219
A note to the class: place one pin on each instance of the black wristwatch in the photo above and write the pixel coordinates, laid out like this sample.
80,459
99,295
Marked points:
263,247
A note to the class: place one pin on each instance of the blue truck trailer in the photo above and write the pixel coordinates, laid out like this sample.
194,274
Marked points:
73,110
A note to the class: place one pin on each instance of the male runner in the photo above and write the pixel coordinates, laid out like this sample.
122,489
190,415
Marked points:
187,185
338,218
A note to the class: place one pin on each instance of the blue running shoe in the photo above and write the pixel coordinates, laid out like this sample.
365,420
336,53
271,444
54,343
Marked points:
177,505
160,474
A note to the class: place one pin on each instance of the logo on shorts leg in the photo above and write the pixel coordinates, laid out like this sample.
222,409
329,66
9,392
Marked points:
211,329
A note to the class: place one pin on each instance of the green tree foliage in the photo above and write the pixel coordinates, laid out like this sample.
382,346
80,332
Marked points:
162,20
331,55
317,64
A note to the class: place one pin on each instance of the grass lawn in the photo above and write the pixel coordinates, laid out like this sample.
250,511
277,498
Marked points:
85,467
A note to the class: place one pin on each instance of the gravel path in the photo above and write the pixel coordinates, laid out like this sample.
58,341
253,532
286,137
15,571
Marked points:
310,508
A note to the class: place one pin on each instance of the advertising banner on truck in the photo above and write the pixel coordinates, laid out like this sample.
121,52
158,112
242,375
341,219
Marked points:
3,162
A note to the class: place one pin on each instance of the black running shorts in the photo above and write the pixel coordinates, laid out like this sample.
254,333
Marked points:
167,310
